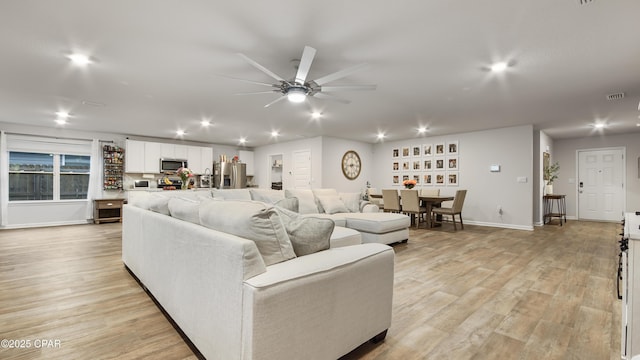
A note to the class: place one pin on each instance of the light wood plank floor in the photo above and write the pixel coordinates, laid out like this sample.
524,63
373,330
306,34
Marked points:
480,293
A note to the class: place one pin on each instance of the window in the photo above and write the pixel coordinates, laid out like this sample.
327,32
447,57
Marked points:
41,176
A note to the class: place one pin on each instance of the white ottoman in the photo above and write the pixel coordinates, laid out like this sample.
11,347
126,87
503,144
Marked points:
383,228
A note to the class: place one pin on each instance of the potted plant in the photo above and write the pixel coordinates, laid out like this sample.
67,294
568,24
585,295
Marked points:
550,174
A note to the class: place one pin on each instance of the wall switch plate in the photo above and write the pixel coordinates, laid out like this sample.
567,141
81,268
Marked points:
522,179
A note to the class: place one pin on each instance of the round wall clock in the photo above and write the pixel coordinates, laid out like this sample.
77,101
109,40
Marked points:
351,165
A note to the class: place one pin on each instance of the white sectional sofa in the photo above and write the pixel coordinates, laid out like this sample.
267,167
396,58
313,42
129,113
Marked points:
241,298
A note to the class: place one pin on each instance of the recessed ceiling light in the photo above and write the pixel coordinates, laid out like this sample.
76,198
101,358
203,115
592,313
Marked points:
380,136
79,59
499,66
205,122
62,114
422,129
180,132
61,121
242,140
316,115
599,125
275,133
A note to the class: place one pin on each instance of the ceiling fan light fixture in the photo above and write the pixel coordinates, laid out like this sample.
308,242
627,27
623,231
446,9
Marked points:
296,94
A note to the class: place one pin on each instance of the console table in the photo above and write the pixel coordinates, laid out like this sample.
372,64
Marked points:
107,210
555,206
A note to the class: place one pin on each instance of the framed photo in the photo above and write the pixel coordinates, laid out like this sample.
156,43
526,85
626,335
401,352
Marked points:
405,165
439,149
439,164
427,179
452,163
416,150
452,147
452,178
405,151
417,179
395,153
427,149
405,177
427,165
416,165
396,180
396,166
440,178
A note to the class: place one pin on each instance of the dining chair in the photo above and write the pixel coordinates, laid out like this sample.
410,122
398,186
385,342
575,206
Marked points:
391,200
429,192
455,209
377,201
411,205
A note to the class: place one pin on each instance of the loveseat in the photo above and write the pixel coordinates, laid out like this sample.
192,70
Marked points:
241,298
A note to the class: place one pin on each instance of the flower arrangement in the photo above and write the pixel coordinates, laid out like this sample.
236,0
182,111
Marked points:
551,172
409,184
185,174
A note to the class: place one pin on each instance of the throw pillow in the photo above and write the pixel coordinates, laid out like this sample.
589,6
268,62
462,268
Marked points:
290,204
159,204
323,192
307,234
306,200
332,204
351,201
251,220
267,195
184,209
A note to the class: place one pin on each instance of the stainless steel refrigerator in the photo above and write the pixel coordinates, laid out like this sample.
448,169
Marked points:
229,175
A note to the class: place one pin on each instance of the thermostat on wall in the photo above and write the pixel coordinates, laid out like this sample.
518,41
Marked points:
495,168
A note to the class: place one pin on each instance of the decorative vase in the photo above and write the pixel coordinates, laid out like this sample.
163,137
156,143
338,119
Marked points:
548,189
185,184
409,186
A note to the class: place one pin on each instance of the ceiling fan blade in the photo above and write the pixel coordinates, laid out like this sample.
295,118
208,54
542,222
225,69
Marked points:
339,74
261,68
305,64
248,81
258,92
276,100
331,97
347,88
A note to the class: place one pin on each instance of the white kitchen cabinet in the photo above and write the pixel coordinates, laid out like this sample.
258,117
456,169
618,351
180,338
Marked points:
247,158
167,151
152,151
194,159
207,159
134,159
181,152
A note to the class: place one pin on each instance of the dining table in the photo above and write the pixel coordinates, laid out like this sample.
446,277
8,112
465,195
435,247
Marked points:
429,201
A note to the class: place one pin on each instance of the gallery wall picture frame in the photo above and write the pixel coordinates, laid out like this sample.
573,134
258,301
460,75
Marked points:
427,179
427,165
427,149
453,177
395,166
405,151
405,165
416,150
452,147
439,164
395,180
439,149
416,164
405,177
395,152
452,163
417,179
440,178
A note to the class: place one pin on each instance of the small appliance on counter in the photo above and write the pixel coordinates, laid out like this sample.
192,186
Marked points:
141,184
166,183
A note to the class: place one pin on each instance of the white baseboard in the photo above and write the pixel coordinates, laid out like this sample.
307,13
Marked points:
59,223
500,225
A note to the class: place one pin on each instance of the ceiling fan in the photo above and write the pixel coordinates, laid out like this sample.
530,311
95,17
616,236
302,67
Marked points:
299,88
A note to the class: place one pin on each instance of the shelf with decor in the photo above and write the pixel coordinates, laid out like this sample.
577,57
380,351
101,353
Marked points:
113,167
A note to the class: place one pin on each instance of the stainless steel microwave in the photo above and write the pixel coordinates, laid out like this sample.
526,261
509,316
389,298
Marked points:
171,165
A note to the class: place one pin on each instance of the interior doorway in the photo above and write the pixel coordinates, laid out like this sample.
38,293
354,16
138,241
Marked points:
601,191
302,169
275,171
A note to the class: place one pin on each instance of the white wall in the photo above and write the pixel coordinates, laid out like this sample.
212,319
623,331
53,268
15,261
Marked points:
511,148
332,177
263,166
565,152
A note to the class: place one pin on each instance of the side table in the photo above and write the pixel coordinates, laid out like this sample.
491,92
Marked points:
107,210
555,206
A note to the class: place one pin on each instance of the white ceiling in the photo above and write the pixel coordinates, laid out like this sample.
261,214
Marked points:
157,65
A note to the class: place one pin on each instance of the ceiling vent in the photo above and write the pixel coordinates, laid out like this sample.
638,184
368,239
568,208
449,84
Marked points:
618,96
584,2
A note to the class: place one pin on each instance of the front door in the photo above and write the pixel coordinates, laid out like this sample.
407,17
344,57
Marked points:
601,184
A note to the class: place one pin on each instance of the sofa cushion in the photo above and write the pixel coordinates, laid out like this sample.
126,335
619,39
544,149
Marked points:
268,196
342,236
351,200
251,220
232,194
184,209
307,234
377,223
332,204
159,204
290,204
306,200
